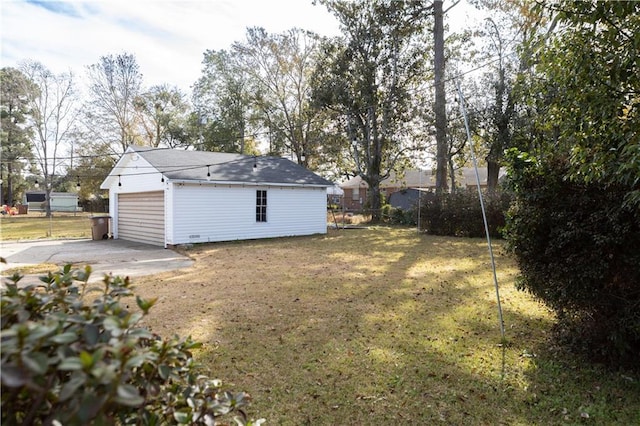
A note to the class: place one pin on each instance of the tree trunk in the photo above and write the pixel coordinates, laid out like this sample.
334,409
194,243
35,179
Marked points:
9,184
452,174
10,137
493,170
375,201
375,164
440,101
47,197
502,118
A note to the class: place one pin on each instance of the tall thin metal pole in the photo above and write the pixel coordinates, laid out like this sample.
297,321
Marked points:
484,214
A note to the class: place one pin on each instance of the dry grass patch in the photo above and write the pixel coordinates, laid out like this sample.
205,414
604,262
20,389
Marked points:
35,225
42,268
379,326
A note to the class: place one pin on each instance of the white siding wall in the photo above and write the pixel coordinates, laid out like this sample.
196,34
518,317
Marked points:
138,176
207,213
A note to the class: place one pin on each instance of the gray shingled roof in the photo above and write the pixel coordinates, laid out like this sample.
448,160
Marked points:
224,167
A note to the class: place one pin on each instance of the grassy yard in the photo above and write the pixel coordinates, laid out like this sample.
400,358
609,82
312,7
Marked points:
380,326
35,225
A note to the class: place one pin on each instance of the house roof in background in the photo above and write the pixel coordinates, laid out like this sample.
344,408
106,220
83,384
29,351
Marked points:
54,194
177,164
335,190
422,179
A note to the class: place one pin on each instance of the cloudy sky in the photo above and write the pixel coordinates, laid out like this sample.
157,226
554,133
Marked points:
167,37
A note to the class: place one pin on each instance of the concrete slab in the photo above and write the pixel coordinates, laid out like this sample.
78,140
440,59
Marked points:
118,257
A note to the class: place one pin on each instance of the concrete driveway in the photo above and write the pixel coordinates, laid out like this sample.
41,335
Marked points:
118,257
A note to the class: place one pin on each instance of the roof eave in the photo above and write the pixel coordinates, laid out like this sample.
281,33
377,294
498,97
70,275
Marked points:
247,183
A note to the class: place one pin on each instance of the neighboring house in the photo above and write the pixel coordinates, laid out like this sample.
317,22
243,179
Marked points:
169,197
355,189
407,199
60,201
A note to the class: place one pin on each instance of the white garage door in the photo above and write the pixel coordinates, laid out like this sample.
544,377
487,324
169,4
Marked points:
141,217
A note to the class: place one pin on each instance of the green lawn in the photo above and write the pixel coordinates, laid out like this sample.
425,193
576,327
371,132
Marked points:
35,226
381,326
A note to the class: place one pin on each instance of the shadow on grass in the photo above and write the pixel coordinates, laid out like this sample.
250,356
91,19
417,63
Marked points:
379,325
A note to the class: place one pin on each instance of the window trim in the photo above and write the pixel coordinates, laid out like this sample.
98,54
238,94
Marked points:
261,205
355,194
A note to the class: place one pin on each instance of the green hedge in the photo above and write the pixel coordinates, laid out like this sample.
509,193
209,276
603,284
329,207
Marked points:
578,248
459,214
397,216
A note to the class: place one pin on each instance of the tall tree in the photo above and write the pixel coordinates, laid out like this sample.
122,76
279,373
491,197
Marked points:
280,68
440,106
15,137
221,101
114,85
370,75
458,52
162,114
504,38
503,108
53,113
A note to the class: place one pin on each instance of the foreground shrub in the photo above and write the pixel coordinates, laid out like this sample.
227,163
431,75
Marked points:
578,248
459,214
72,362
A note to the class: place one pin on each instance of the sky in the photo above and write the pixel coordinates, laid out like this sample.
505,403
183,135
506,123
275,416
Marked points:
167,37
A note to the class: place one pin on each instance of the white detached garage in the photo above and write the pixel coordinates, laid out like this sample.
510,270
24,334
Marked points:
168,197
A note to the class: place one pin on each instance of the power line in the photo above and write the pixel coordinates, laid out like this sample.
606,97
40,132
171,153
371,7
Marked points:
161,171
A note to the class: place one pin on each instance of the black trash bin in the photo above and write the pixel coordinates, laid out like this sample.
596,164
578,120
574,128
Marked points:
100,227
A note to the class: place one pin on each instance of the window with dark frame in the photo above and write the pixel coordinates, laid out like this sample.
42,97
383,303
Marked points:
261,205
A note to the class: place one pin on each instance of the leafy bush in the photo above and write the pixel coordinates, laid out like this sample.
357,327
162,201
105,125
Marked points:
403,217
578,248
72,362
386,212
459,214
397,216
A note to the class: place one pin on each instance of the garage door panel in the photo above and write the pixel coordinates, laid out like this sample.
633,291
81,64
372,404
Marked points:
134,205
136,221
141,217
